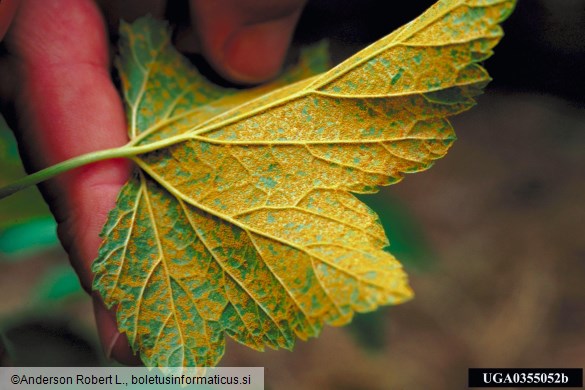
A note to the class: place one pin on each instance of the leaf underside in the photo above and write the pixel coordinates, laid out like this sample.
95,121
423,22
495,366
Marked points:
244,222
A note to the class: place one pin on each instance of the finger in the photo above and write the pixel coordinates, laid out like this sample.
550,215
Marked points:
7,11
246,40
67,106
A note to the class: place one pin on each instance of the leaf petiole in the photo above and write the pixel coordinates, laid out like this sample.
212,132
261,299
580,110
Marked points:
127,151
49,172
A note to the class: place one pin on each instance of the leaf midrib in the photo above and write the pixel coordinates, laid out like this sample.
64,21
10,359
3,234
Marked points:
166,142
320,80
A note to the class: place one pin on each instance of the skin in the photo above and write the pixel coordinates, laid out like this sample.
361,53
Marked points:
57,75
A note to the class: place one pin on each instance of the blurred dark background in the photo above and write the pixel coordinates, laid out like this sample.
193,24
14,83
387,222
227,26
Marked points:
492,236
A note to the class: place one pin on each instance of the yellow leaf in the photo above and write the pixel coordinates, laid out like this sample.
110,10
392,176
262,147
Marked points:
240,219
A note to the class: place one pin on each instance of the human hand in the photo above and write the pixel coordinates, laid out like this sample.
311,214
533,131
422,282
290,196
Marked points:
57,75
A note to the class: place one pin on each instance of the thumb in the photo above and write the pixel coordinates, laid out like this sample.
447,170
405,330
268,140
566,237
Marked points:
246,40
